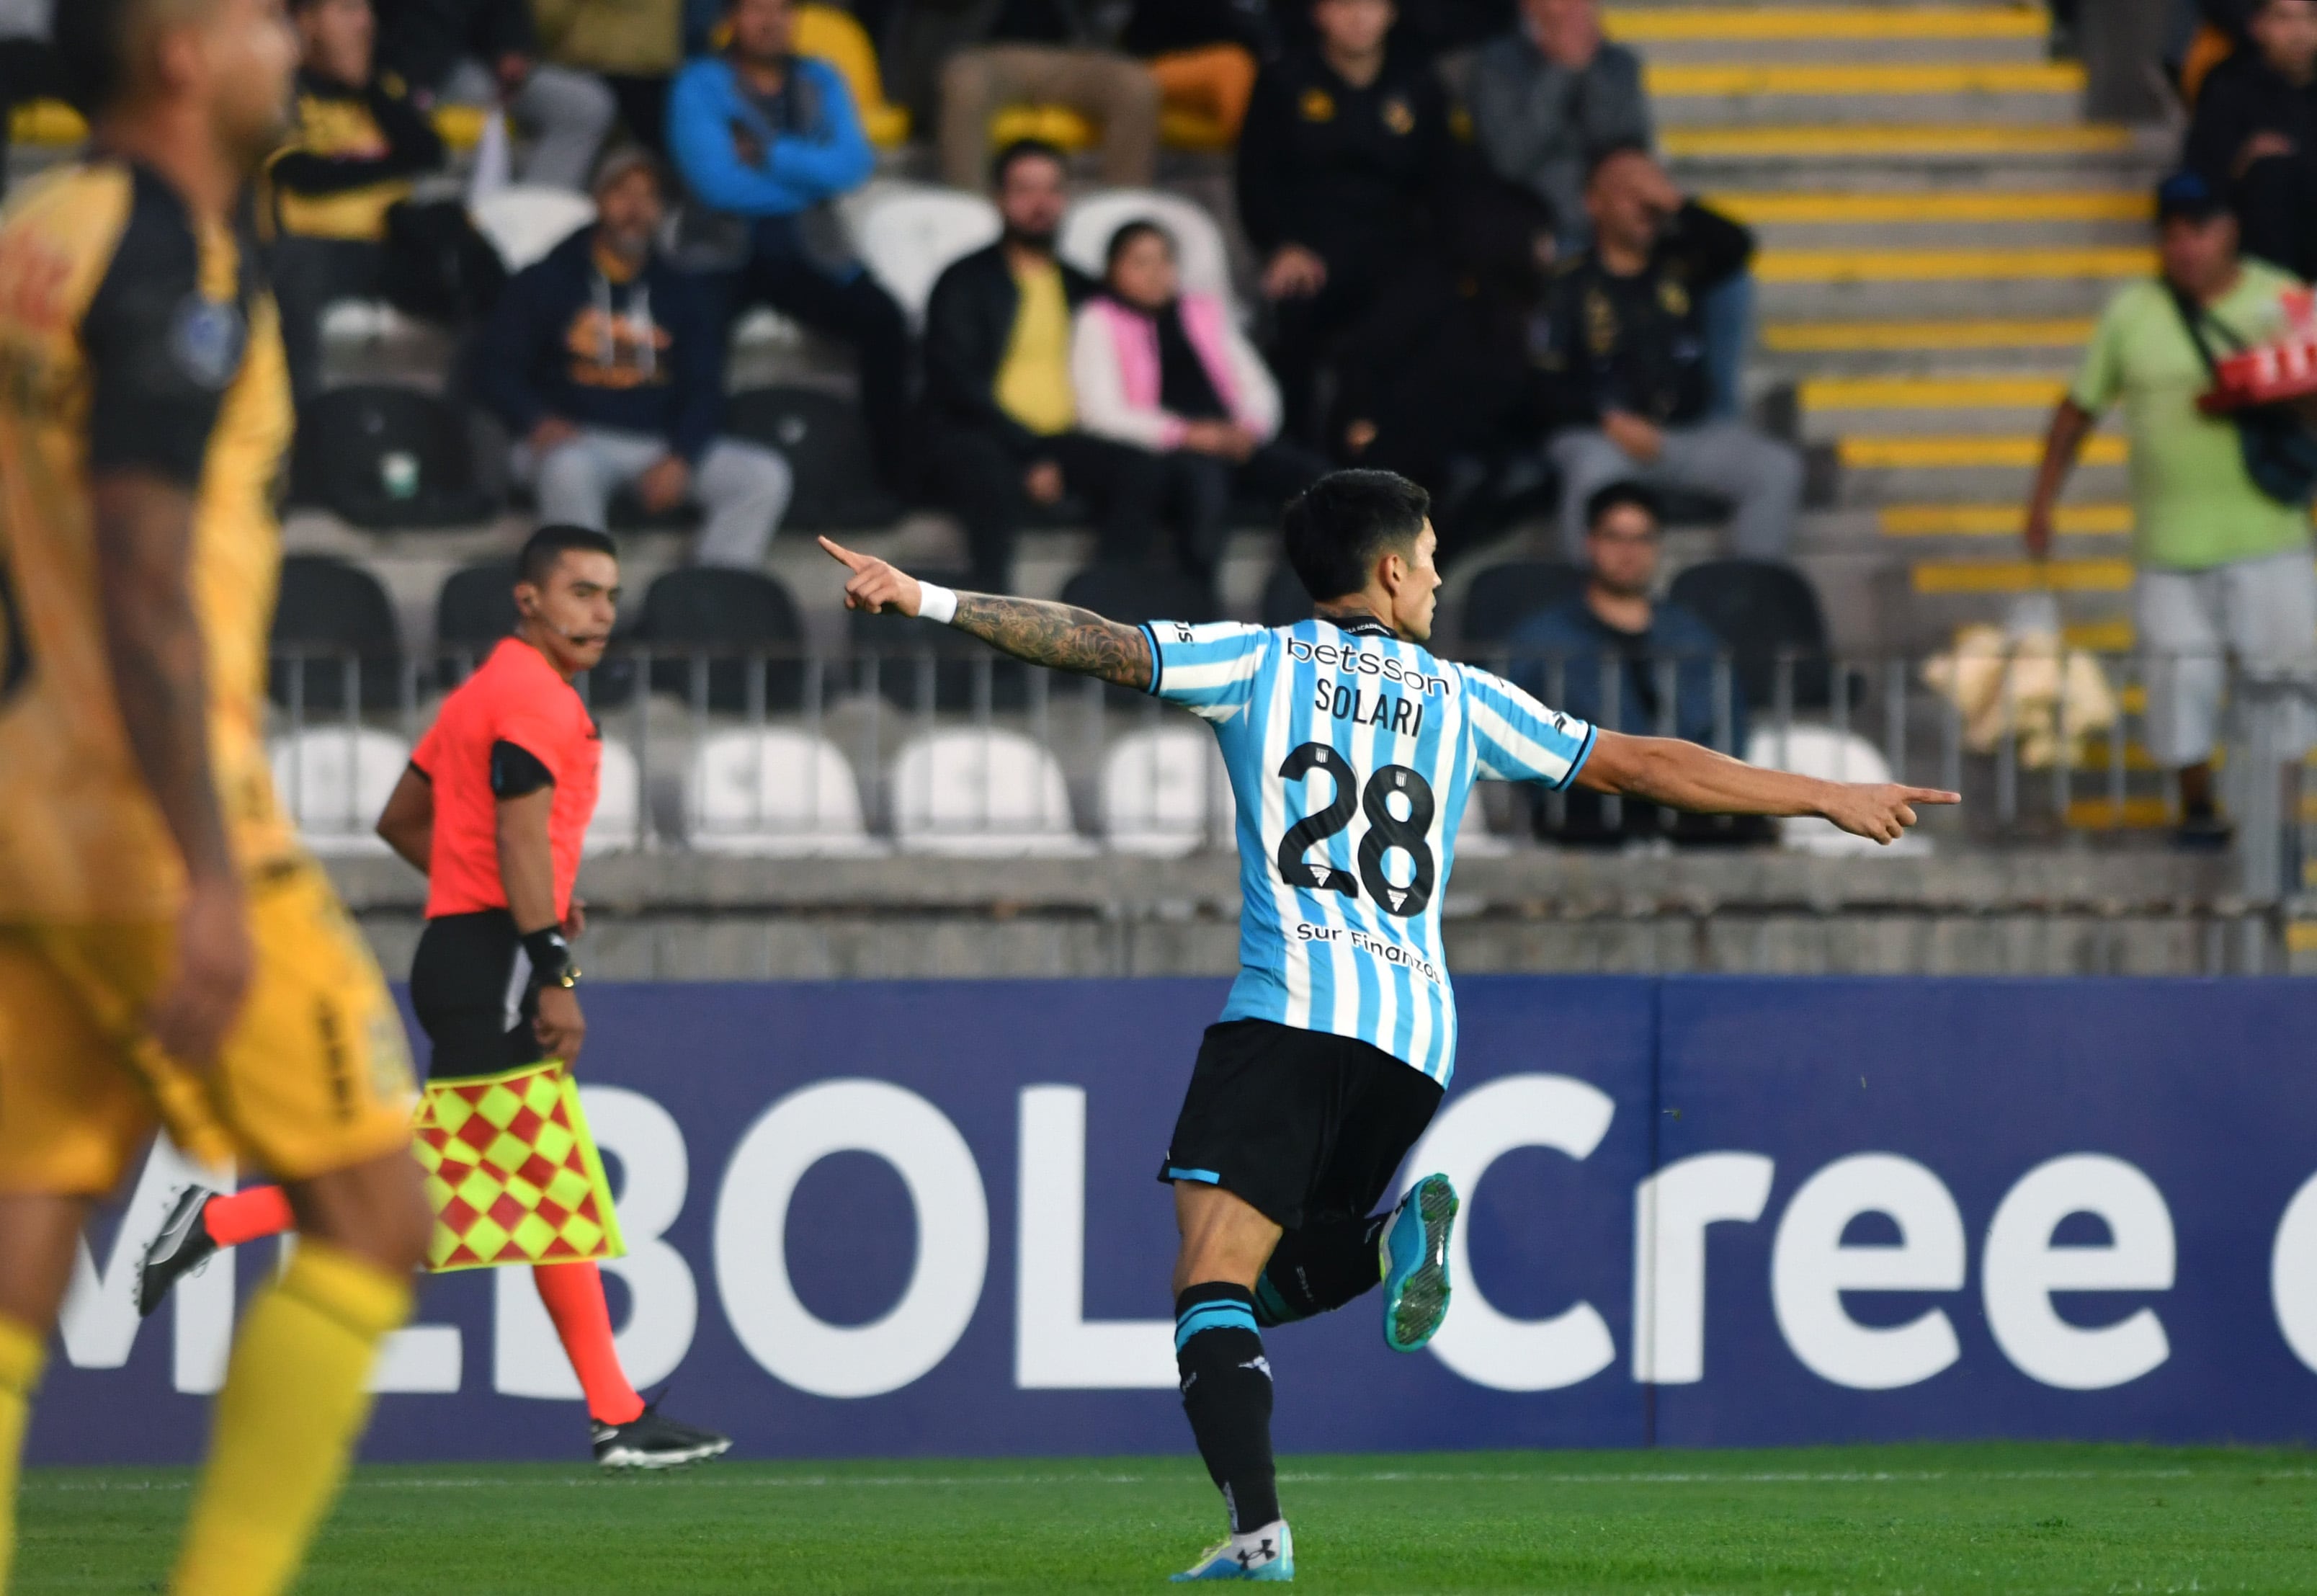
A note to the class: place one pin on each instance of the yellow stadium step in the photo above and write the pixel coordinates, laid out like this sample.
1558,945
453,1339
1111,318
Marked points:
2001,520
1931,393
1847,337
2023,576
1761,208
2138,814
1866,77
1668,24
1948,266
2114,634
1818,141
1965,451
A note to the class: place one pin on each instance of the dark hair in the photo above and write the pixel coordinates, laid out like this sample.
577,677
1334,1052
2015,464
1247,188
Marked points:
1122,240
1602,502
1338,527
548,544
1023,150
90,38
1602,155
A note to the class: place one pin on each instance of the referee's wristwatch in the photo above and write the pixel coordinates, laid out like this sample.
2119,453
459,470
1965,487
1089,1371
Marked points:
551,958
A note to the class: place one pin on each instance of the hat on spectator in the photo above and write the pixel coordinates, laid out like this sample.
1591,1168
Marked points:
621,163
2190,196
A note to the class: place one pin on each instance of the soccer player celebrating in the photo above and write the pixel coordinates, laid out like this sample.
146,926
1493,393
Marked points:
1352,752
166,951
494,809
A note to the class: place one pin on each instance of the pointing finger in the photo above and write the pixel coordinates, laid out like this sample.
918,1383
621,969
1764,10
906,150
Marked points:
843,555
1929,795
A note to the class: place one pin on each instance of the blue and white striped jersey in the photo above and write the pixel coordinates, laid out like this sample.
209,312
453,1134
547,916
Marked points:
1352,754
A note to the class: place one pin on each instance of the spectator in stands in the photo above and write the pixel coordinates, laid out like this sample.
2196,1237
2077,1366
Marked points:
634,46
1434,381
355,146
1344,144
1623,362
1549,97
1168,374
773,139
2255,133
485,52
1003,415
958,63
2224,567
1203,54
1611,655
608,364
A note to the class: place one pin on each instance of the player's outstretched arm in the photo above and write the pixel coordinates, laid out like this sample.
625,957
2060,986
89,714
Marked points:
153,643
1685,776
1060,636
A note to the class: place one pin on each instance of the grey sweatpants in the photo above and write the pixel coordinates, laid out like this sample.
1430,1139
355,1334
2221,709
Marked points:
1727,459
2260,613
743,488
566,113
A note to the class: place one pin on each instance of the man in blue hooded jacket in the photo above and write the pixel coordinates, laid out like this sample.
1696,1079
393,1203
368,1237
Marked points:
769,139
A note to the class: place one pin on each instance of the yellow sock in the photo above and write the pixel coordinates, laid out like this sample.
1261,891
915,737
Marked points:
292,1405
23,1355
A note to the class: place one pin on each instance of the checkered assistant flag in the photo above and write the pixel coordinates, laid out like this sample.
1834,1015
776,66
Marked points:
513,1173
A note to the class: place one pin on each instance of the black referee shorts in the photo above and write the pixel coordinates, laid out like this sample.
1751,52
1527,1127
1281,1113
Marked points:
472,983
1305,1126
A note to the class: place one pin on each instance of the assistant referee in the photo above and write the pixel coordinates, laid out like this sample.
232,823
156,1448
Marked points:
494,808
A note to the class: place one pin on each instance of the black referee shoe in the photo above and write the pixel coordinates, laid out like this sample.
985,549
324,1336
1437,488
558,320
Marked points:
652,1440
182,1246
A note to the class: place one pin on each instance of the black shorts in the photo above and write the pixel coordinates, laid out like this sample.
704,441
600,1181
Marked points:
1305,1126
470,983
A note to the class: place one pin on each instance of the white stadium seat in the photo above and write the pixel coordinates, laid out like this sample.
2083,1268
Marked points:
619,804
526,221
334,781
982,795
1199,249
908,234
1830,756
1165,792
774,792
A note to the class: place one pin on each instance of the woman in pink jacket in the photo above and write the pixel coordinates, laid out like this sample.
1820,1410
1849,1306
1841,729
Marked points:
1159,369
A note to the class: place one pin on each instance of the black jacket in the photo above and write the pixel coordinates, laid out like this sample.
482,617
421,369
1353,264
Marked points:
1636,343
311,165
968,322
1155,27
424,39
529,364
1342,171
2242,96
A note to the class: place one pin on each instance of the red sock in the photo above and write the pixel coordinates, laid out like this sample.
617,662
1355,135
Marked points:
246,1216
574,1296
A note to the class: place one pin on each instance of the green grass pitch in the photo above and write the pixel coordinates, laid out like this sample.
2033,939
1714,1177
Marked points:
1855,1521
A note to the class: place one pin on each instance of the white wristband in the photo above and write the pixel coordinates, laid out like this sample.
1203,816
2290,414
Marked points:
936,602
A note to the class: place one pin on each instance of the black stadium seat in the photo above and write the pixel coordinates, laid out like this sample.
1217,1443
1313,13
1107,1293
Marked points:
1135,594
385,456
1761,608
1504,595
917,658
339,618
827,445
474,610
723,614
1284,601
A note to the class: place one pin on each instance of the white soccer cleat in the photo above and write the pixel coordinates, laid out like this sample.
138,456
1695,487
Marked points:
1264,1553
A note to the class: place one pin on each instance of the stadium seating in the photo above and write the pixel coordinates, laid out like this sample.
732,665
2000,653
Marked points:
1135,594
1762,609
617,826
1199,249
334,781
474,608
726,614
922,666
1504,595
908,234
381,455
1164,793
526,221
829,34
822,436
1832,755
338,616
1284,601
773,791
982,793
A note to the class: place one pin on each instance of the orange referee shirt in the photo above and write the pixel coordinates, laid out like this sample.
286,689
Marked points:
516,698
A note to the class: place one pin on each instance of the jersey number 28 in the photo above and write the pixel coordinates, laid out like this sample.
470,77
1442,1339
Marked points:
1386,830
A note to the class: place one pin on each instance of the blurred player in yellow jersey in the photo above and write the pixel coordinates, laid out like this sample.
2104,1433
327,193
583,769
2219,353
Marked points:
166,954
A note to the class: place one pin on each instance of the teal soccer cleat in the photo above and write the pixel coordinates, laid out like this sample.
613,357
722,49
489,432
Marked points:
1414,1248
1265,1554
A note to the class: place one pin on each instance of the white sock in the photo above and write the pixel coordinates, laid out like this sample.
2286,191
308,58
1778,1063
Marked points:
1261,1546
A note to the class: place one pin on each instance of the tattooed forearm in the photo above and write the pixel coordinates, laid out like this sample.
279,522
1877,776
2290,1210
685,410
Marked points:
1058,635
153,643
